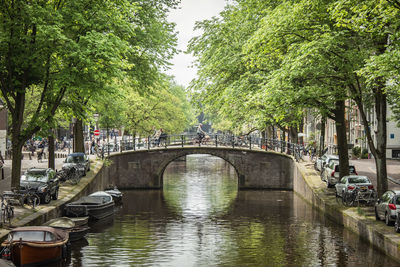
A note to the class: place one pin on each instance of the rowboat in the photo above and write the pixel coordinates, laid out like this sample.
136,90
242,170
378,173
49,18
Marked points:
65,223
116,194
36,245
97,206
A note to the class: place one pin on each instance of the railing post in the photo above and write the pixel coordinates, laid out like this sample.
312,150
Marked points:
216,140
148,142
134,144
233,141
182,139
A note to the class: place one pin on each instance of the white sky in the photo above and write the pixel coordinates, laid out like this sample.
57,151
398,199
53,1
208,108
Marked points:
185,17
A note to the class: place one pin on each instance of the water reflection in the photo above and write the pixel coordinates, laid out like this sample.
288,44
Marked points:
201,219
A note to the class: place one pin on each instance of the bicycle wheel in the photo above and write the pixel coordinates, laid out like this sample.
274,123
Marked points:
75,177
9,214
33,200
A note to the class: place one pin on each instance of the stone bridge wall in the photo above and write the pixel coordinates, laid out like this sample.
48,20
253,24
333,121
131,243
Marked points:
255,169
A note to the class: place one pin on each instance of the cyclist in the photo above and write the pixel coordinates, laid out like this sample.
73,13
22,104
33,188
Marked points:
200,133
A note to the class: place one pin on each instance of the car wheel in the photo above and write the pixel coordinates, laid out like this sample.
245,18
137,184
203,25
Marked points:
376,215
47,198
55,196
388,222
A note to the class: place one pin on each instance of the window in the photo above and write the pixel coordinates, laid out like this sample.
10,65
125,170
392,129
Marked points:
28,235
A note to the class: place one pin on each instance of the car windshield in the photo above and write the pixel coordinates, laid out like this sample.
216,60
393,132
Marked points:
75,159
34,177
358,180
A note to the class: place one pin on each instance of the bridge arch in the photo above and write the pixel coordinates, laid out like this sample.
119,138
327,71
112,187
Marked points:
185,153
255,169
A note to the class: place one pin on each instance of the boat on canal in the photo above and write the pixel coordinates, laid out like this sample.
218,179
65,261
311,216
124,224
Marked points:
97,206
116,194
76,232
36,245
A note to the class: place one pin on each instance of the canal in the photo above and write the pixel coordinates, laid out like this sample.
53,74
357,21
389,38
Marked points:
201,219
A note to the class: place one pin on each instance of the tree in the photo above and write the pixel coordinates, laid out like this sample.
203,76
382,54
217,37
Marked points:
168,109
377,23
55,48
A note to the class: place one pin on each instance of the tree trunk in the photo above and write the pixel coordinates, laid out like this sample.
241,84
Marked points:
52,164
380,152
340,124
79,144
16,162
322,136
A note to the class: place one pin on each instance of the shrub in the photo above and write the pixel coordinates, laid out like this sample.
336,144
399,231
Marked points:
356,151
364,154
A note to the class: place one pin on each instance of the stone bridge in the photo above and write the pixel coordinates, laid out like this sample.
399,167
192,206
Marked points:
256,169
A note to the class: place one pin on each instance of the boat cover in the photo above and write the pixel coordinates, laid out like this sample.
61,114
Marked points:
59,234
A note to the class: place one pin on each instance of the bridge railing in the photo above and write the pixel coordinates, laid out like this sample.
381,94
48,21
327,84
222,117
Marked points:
213,140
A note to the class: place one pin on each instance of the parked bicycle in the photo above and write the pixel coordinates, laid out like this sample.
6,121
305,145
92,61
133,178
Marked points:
357,196
69,174
21,197
7,211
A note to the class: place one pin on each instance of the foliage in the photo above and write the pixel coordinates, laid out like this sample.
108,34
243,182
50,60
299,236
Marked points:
364,154
168,108
356,151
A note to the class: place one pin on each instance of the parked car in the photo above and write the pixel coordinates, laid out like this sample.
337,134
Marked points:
331,173
325,159
350,182
78,160
387,206
43,181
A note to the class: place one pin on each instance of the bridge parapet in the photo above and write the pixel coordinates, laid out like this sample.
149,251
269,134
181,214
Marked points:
256,169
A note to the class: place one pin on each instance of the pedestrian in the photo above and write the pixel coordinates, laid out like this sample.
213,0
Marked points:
92,146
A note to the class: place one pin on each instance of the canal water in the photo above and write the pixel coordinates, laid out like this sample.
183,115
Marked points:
201,219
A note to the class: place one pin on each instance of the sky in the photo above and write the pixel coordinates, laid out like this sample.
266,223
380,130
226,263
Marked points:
185,17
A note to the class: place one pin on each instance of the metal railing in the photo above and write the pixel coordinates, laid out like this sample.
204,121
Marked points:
213,140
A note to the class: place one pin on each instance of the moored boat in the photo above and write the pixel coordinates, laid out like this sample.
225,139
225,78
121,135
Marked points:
116,194
80,221
65,223
97,206
36,245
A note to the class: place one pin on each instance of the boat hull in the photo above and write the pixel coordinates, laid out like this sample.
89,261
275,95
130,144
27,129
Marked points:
23,254
95,212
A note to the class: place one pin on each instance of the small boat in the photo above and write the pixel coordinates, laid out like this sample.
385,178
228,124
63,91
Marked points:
80,221
116,194
36,245
97,206
65,223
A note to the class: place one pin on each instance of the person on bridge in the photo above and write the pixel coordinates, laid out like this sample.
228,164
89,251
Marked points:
200,133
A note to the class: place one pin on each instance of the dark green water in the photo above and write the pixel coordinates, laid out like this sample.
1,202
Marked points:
201,219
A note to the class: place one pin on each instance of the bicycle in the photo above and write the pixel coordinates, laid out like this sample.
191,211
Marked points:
7,211
357,195
21,196
69,174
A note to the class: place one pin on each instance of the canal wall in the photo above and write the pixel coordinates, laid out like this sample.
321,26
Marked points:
308,185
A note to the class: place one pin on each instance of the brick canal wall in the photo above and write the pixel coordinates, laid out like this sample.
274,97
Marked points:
362,221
